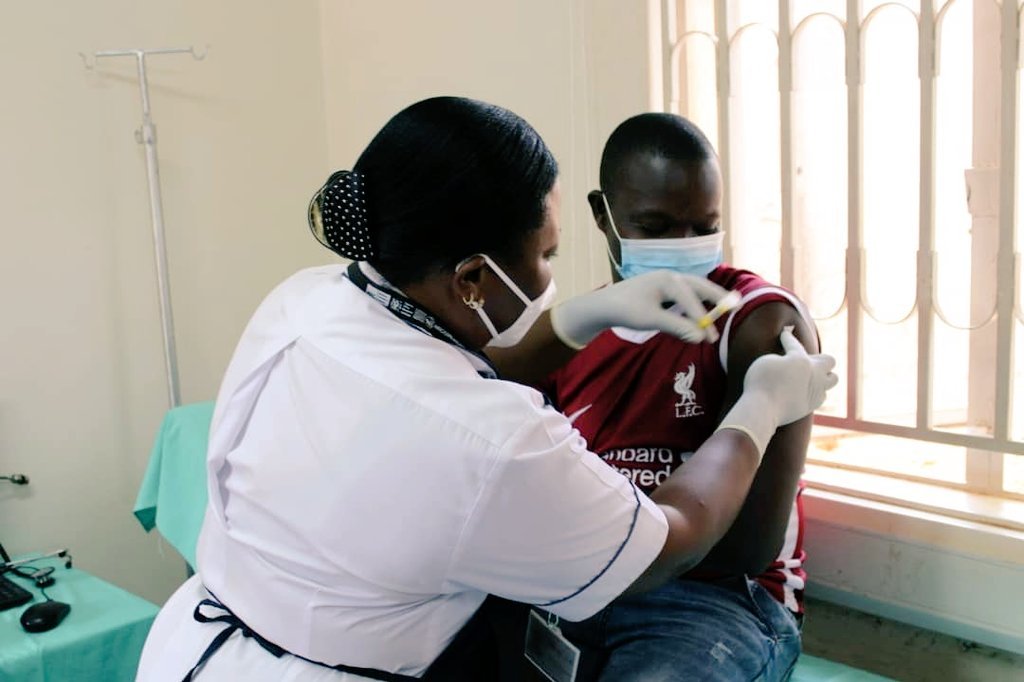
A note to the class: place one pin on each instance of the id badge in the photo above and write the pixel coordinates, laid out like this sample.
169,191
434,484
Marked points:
548,649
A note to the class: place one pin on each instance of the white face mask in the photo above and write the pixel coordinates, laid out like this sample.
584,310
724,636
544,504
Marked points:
517,330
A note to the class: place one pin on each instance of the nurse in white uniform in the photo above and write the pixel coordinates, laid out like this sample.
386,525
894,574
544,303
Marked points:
372,481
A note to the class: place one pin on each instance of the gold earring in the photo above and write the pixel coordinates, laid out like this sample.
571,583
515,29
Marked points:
472,303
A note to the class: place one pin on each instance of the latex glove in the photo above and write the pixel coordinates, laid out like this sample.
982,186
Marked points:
637,303
780,389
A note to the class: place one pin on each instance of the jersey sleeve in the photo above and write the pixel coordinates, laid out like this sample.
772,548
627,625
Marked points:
556,527
753,299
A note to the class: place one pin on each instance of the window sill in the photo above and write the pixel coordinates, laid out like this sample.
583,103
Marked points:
982,525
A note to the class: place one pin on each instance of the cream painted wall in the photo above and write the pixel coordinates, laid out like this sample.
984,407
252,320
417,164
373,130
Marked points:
572,68
244,136
242,144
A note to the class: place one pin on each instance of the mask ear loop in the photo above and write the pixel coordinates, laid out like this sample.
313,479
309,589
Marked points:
615,231
475,304
513,287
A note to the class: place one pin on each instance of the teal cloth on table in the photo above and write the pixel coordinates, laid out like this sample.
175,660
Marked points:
172,496
813,669
100,640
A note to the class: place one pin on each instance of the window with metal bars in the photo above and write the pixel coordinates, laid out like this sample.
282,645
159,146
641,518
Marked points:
869,150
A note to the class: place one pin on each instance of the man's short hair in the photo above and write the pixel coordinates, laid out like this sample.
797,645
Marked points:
666,135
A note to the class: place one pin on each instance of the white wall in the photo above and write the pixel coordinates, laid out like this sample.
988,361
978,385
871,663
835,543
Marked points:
242,145
573,69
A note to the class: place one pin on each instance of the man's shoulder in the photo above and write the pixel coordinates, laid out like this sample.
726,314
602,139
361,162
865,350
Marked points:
743,281
768,306
755,291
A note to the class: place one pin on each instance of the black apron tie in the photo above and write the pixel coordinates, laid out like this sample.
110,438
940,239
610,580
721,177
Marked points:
234,623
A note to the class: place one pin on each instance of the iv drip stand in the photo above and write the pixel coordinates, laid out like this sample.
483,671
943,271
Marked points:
146,136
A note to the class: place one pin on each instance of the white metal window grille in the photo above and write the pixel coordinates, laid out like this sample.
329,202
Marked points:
869,154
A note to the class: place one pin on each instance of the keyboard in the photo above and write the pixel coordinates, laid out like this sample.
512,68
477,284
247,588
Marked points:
12,594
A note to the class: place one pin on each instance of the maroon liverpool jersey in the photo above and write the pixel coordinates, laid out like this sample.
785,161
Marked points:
645,401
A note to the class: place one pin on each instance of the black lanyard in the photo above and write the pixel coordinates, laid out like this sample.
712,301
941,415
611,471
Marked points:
412,314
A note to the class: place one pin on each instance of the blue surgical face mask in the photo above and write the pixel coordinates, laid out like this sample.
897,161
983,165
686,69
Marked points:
687,255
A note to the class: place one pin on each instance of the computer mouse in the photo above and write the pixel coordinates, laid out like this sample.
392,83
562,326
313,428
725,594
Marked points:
44,616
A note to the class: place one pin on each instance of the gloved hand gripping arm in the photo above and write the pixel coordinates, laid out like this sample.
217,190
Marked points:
702,498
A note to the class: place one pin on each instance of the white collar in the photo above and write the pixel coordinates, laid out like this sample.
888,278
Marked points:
641,336
380,280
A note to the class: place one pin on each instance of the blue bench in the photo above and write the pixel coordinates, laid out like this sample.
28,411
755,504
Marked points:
813,669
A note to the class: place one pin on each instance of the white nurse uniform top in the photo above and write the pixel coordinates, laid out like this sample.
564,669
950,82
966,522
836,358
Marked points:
368,488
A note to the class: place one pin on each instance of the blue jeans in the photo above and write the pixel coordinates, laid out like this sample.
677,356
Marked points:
727,630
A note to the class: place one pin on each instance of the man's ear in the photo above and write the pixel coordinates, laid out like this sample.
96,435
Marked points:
467,281
597,209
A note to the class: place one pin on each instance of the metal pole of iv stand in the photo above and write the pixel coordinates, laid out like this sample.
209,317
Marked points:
146,136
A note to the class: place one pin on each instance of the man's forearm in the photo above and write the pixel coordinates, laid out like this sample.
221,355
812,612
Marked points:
701,500
756,537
